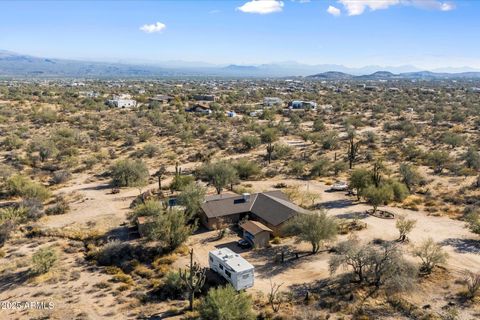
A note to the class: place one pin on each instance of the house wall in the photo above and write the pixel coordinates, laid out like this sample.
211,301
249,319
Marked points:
260,240
210,223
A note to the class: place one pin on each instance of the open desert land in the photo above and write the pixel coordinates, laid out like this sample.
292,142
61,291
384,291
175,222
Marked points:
101,206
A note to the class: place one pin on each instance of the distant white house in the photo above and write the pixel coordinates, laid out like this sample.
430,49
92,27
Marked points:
302,105
271,101
122,101
232,267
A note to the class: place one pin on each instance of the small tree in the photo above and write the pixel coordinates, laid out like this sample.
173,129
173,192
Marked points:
438,160
129,173
378,196
225,303
171,227
410,176
246,168
472,158
193,278
404,226
431,255
314,228
360,179
43,260
219,174
351,254
192,198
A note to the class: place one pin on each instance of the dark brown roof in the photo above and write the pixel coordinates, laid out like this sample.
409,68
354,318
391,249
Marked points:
273,206
254,227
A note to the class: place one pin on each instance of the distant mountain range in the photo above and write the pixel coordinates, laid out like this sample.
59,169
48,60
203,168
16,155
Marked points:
19,65
386,75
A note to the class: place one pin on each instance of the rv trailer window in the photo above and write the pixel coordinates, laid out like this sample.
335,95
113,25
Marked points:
228,273
245,276
221,267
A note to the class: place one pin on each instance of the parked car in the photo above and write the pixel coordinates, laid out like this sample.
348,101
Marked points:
339,186
244,244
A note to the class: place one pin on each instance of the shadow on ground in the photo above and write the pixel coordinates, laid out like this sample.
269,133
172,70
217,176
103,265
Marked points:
463,245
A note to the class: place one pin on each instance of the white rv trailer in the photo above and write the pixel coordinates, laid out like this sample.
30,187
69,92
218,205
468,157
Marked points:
231,266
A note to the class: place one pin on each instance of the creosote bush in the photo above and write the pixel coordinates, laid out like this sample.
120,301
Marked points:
43,260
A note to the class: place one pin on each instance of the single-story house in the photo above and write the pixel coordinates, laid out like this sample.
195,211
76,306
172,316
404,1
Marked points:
199,108
271,208
302,105
256,233
160,98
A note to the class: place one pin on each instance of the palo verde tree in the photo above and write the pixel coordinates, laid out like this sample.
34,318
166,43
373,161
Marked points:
219,174
359,180
378,196
404,227
171,227
129,173
314,228
191,198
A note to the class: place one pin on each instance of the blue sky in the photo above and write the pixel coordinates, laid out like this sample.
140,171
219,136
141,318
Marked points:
424,33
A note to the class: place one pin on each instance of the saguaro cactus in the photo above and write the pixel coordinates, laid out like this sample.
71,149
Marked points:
194,278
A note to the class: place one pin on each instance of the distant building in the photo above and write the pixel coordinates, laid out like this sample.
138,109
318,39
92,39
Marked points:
161,98
121,101
256,233
272,101
201,108
302,105
204,97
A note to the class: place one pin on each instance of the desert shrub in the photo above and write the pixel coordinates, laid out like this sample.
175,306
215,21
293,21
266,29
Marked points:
11,142
60,206
148,208
13,214
43,260
472,282
281,151
378,196
246,168
34,208
400,190
6,229
129,173
143,271
173,286
61,176
320,167
431,254
21,186
250,141
225,303
113,253
179,182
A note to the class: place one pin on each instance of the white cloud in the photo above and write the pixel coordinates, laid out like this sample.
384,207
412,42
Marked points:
154,27
333,11
262,6
357,7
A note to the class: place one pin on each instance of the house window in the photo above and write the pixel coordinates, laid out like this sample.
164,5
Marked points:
228,273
